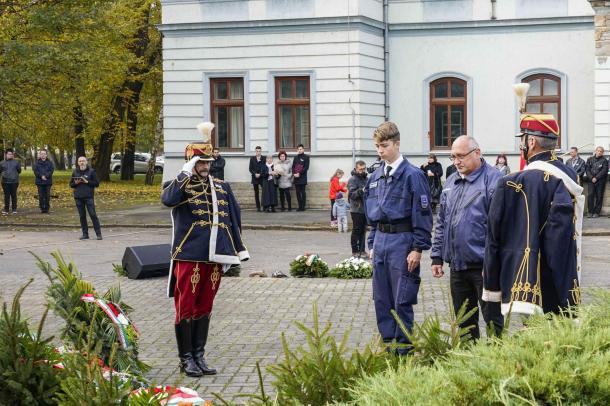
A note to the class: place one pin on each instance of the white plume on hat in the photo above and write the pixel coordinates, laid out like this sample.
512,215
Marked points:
206,130
521,90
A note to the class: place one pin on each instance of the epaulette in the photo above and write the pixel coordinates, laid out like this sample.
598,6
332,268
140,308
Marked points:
218,180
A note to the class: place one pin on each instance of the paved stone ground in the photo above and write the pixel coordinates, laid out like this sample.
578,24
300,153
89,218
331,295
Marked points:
249,313
157,216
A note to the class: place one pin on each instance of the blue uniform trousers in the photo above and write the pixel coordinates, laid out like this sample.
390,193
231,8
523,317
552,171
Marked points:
394,287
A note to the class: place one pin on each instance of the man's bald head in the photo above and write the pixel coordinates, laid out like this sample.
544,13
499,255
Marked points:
466,154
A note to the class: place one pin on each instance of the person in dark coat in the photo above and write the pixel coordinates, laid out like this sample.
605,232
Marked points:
84,181
434,173
450,170
10,169
269,186
300,166
43,171
597,173
256,167
355,190
532,251
217,167
577,163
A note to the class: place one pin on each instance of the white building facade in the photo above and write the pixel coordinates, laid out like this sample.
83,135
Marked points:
278,73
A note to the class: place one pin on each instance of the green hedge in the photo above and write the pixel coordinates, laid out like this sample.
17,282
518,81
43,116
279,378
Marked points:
556,360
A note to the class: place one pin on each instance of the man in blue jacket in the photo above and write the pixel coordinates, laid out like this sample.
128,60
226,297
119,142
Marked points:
43,171
459,236
397,206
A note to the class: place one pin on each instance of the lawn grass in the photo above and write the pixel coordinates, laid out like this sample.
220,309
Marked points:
114,194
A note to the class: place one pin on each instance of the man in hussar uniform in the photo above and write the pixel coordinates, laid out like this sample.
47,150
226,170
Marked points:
532,256
206,242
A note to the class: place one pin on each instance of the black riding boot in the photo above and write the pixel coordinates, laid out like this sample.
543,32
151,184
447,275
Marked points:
199,330
185,348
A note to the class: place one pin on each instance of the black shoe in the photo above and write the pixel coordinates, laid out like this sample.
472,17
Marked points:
258,209
185,349
595,215
199,334
83,237
99,237
273,210
282,209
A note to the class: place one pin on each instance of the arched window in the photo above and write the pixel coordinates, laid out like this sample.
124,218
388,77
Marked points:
544,95
448,111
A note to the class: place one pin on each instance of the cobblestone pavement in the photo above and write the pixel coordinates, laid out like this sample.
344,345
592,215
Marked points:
249,313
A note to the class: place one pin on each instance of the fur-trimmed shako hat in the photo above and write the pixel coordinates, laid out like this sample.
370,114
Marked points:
201,149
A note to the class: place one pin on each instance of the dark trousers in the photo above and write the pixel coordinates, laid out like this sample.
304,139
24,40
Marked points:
89,204
468,285
285,198
596,196
332,204
44,197
301,196
10,195
257,196
358,232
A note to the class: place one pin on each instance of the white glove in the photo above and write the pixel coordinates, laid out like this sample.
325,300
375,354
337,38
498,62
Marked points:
188,167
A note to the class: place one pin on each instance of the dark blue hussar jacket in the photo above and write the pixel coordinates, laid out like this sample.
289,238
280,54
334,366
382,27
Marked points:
530,253
206,221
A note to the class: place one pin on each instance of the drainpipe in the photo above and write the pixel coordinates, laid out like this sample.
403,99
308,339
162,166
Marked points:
493,9
350,81
386,60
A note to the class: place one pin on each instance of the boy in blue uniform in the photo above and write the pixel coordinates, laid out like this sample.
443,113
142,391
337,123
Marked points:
532,253
397,206
206,242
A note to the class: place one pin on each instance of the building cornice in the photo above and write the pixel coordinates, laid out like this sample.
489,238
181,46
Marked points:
287,25
521,23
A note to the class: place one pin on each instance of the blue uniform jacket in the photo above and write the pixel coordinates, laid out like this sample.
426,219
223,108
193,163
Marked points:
405,195
530,253
459,235
206,221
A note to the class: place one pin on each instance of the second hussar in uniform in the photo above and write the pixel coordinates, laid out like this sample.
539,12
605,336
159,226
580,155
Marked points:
532,256
206,242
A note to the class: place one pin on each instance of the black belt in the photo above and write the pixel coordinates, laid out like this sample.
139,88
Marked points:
393,228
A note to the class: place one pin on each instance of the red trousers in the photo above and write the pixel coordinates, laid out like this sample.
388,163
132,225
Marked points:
196,287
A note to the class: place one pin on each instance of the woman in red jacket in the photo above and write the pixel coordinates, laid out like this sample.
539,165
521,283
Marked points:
335,186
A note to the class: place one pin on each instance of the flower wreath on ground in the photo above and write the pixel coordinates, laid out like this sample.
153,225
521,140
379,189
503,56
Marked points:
308,266
352,268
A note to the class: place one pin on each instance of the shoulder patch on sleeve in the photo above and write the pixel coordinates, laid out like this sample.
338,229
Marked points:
423,201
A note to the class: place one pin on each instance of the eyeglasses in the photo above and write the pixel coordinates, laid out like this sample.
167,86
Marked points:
461,157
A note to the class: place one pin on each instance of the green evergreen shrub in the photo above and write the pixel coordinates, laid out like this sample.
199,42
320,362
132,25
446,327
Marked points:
308,266
85,323
554,360
27,375
321,371
119,270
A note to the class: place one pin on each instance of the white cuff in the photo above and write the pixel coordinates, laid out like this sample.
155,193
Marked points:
243,255
491,295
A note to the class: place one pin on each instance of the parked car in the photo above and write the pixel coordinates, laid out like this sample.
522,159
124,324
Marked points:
140,163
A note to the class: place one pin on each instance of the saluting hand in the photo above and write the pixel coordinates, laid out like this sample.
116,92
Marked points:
413,260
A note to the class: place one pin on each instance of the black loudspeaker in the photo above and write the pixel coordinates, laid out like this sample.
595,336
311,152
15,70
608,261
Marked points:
147,261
